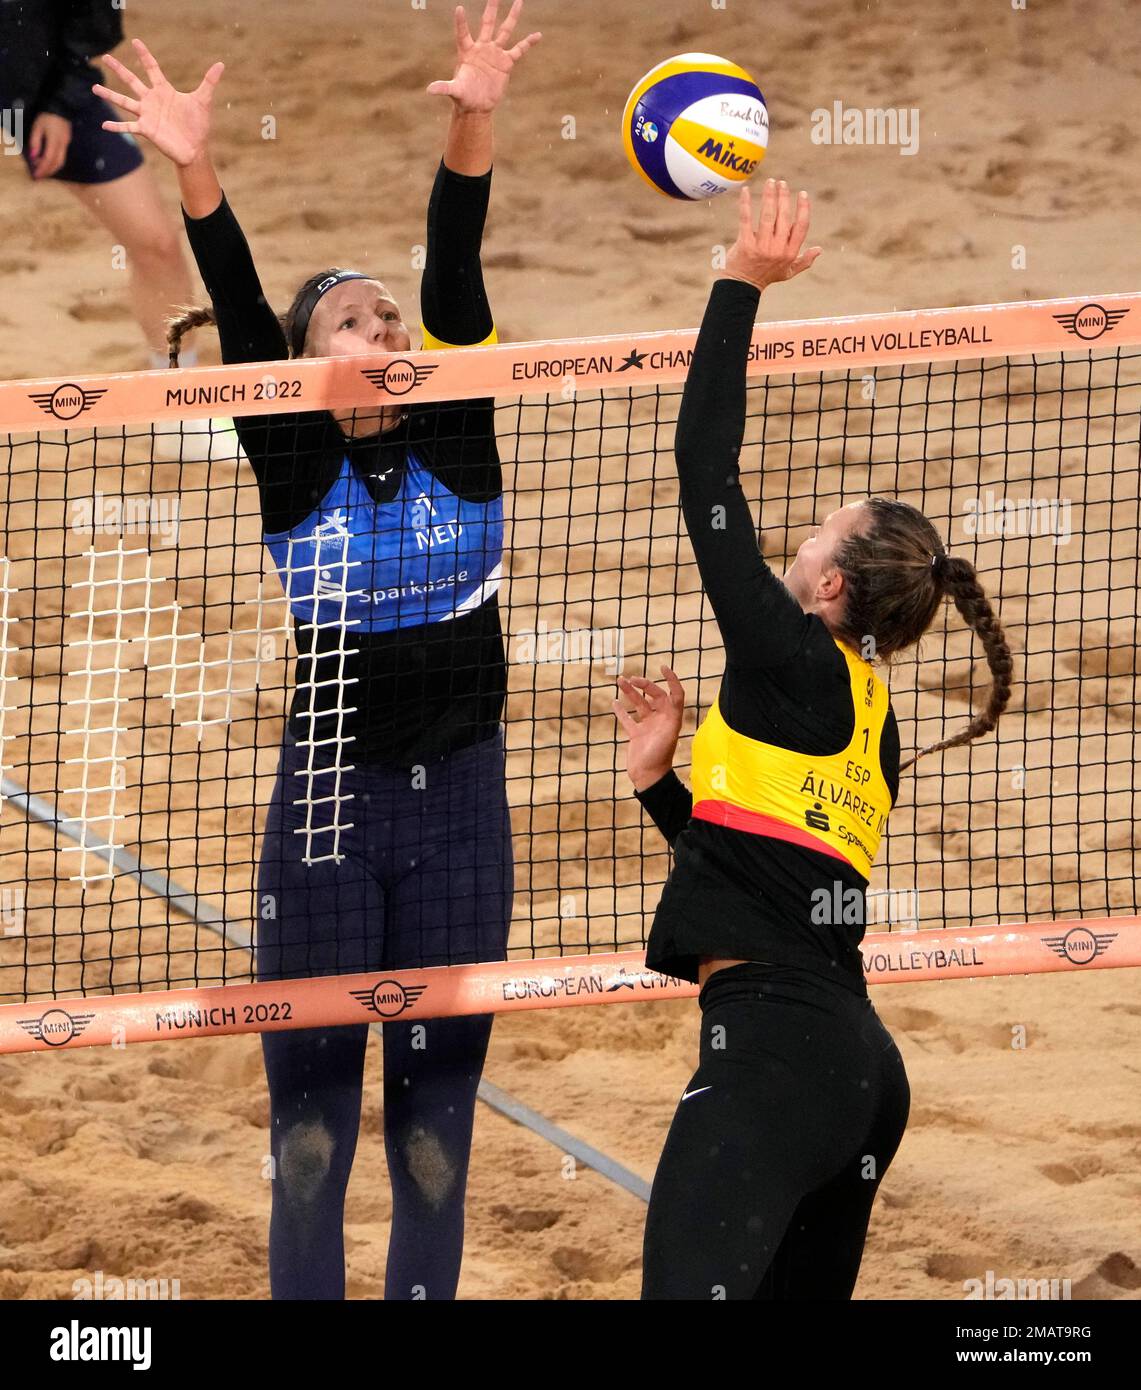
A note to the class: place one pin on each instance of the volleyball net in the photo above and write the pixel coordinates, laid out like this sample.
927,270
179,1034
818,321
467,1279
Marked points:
148,658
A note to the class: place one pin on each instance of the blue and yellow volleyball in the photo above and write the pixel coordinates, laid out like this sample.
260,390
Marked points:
695,126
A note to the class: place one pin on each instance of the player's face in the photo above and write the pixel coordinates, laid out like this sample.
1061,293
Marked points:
356,317
813,567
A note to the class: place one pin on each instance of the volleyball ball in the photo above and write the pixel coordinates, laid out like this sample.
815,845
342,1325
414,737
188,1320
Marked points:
695,126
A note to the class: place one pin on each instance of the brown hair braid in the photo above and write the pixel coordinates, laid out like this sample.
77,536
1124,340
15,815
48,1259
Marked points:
897,573
963,588
177,328
198,317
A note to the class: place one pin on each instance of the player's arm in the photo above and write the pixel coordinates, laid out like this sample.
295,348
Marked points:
760,621
453,302
652,719
284,451
459,435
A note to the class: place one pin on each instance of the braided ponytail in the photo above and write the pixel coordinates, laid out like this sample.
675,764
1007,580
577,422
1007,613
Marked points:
176,329
897,575
961,583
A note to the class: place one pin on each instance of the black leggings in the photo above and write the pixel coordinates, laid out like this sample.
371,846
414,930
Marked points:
771,1165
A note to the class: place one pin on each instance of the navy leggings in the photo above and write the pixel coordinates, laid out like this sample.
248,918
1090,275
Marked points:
425,878
779,1143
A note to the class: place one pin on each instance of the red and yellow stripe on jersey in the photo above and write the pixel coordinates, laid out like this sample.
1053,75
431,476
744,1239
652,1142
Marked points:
837,804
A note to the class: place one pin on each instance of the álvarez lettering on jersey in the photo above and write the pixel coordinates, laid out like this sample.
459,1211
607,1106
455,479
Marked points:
377,566
837,804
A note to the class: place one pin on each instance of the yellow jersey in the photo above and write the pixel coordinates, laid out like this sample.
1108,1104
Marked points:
837,804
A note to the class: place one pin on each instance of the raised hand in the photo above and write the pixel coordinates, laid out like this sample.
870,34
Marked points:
176,123
483,65
652,718
772,250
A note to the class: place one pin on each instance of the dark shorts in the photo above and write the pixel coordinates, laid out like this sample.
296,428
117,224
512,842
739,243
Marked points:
399,875
95,155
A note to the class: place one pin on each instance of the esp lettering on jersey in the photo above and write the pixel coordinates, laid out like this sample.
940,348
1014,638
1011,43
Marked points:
837,803
424,557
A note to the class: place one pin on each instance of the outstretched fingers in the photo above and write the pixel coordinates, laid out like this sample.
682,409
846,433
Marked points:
768,209
136,84
149,62
782,224
464,40
210,80
116,98
524,44
508,24
487,27
799,230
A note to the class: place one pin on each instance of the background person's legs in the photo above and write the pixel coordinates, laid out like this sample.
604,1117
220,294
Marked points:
133,212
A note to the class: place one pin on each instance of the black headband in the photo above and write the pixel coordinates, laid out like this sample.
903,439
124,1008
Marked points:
309,303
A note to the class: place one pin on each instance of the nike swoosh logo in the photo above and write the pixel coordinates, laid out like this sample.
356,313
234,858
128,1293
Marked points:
699,1090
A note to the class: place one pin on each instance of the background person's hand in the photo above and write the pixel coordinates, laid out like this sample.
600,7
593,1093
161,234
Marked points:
176,123
772,250
483,65
652,718
48,141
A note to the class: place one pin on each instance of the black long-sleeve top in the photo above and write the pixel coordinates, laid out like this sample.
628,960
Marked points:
733,894
46,48
423,692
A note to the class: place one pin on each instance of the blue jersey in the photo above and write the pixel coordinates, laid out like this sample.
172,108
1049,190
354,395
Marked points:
424,557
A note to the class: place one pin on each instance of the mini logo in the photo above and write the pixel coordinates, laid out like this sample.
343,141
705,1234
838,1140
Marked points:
68,401
56,1027
1080,945
817,818
648,132
1091,321
399,377
389,998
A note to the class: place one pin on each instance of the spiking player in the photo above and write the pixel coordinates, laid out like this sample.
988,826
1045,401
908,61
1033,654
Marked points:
779,1143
